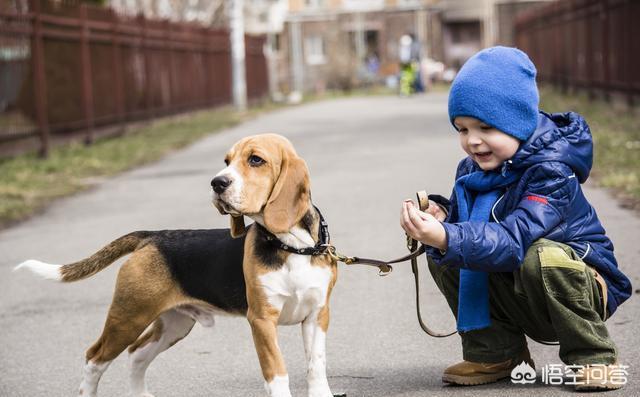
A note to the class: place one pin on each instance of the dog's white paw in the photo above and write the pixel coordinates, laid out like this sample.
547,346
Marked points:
320,390
145,394
278,387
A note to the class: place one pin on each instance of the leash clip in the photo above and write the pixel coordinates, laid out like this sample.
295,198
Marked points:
331,250
384,270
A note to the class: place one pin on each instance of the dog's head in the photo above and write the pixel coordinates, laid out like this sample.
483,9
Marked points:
265,180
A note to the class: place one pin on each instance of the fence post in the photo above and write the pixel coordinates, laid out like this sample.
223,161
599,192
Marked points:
564,54
148,98
206,61
589,55
168,56
87,84
606,83
39,79
575,50
208,69
117,69
630,51
238,58
556,69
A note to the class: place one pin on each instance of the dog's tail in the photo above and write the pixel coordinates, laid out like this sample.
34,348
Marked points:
91,265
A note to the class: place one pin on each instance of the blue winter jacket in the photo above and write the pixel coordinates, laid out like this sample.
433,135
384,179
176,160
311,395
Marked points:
547,202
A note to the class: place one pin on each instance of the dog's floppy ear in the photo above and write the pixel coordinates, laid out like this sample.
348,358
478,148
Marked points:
237,226
289,199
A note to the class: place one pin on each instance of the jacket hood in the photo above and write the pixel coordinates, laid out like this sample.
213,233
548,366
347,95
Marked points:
563,137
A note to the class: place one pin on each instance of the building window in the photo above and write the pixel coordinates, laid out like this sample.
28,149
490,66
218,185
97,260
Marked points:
464,32
275,43
314,50
314,3
408,3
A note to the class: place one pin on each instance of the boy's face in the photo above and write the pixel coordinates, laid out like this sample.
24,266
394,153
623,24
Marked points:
487,146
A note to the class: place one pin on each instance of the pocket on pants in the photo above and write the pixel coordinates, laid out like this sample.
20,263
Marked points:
563,276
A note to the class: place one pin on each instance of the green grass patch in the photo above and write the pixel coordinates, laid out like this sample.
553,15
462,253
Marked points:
28,183
616,136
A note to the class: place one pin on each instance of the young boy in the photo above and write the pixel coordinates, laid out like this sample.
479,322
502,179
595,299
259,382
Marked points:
518,250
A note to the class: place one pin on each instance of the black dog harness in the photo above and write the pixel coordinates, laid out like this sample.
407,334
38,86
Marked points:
320,248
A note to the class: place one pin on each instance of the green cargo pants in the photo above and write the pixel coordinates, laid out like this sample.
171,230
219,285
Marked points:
553,296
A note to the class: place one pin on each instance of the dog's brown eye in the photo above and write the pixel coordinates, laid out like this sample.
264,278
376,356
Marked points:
226,161
256,161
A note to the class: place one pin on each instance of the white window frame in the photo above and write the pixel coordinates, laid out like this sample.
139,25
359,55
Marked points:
314,4
314,49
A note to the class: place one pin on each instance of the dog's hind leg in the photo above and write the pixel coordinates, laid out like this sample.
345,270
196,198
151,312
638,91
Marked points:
143,291
121,329
166,331
91,374
118,333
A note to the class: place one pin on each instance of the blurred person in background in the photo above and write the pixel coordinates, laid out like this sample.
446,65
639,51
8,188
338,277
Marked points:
409,55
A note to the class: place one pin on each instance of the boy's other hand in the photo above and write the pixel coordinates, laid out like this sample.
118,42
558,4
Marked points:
423,226
437,211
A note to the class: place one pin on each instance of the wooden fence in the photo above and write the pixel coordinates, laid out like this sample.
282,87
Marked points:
74,67
593,45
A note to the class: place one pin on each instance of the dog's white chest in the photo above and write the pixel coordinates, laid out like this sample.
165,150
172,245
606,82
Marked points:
297,289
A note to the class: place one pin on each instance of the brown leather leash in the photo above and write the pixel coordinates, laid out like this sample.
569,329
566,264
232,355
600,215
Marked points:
415,250
423,204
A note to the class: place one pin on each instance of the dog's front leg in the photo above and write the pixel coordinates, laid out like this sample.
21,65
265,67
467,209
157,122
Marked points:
314,331
265,338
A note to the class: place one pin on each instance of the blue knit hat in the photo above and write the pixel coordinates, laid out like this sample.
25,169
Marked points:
498,86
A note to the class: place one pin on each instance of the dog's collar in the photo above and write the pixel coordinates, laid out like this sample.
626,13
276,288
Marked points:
320,247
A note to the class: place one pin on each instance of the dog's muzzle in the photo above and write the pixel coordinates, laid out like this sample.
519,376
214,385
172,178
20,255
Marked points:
223,207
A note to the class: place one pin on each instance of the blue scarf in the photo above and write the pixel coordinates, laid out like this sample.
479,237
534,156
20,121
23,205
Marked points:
476,194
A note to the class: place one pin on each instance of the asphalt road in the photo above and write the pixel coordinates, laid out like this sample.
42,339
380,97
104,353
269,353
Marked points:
365,156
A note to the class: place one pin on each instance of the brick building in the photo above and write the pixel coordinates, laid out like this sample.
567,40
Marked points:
337,43
334,43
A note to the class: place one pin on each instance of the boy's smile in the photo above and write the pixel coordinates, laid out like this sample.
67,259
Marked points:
487,146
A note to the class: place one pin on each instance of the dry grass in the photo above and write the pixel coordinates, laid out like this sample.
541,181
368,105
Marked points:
616,136
29,183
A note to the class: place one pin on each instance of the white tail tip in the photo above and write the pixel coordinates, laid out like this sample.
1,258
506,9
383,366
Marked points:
46,270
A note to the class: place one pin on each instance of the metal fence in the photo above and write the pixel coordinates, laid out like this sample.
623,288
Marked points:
593,45
68,67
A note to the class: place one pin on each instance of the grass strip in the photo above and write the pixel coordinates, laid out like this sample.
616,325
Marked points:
28,183
616,136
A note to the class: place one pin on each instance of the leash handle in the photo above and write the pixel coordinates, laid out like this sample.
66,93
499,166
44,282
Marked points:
423,200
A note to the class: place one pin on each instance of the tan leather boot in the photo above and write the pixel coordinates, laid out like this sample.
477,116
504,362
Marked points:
599,378
470,374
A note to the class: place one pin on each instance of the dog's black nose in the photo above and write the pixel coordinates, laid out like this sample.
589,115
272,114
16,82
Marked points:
220,184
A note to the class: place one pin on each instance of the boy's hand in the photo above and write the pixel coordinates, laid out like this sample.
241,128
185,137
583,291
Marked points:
422,226
437,211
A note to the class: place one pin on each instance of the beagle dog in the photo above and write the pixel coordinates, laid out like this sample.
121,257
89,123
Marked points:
175,278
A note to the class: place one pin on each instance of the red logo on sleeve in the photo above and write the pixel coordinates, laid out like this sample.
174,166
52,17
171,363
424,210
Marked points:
538,199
